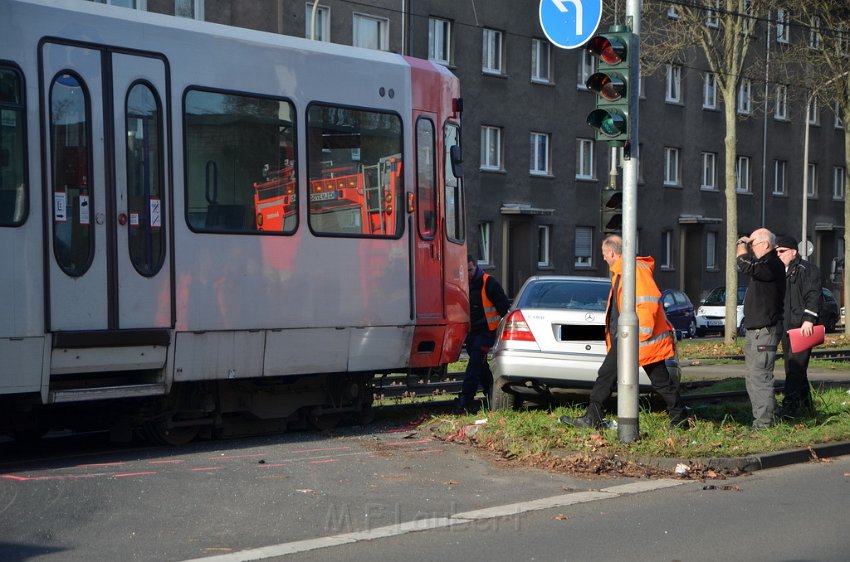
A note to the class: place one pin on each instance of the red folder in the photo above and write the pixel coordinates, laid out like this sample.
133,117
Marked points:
799,342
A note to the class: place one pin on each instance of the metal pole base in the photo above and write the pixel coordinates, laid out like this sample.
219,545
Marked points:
627,429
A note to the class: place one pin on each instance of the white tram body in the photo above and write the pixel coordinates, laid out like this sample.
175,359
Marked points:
206,219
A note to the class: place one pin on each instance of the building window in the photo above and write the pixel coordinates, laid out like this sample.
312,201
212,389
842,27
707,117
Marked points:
322,32
712,7
584,159
780,107
709,91
192,9
541,57
674,84
371,32
838,183
543,239
671,166
836,112
742,174
492,45
137,4
709,171
813,118
667,249
782,25
491,148
484,230
814,33
440,40
780,177
586,68
711,251
745,97
748,22
539,154
584,247
812,184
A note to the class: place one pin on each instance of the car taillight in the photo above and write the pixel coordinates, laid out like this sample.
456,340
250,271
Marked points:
516,328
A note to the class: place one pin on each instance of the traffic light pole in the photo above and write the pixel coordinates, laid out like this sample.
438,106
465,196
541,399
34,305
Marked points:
628,331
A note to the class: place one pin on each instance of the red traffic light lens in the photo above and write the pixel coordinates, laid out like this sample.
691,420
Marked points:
610,51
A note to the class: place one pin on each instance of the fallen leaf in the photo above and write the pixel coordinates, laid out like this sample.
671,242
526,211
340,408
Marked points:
452,483
561,517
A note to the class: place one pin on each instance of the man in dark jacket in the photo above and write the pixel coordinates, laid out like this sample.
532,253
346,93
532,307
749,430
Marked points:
756,258
802,307
487,304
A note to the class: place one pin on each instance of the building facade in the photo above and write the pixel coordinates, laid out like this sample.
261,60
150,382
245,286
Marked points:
533,171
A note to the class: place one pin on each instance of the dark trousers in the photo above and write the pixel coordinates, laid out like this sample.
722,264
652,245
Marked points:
797,393
664,384
478,344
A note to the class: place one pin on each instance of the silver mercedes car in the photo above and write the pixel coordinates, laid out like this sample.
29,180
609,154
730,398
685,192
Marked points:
553,337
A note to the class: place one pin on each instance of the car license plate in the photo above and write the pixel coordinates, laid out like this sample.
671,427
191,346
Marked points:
716,322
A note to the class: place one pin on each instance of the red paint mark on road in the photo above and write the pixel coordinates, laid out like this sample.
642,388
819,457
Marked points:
238,456
58,477
166,462
100,464
326,449
209,468
132,474
399,443
267,465
14,477
324,461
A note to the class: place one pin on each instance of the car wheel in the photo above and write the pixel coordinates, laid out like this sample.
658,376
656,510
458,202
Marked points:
692,328
503,400
741,330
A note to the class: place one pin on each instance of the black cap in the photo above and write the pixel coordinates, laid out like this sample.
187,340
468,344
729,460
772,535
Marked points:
786,242
469,258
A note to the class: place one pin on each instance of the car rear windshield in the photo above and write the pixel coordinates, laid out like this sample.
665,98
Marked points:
576,295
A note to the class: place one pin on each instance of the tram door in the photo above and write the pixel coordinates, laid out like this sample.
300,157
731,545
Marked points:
105,134
429,270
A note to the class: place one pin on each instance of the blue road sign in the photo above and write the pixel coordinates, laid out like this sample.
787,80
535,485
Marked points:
570,23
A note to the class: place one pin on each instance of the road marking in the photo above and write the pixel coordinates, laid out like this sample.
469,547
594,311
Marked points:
441,522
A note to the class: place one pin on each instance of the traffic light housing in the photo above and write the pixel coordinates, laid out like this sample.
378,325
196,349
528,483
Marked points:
610,83
611,211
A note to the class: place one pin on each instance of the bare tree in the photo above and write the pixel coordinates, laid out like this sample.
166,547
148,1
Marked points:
824,57
719,34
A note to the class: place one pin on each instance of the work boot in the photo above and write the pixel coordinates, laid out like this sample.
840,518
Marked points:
788,411
679,417
592,419
462,406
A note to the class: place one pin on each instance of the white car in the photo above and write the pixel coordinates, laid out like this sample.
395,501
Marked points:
552,337
711,314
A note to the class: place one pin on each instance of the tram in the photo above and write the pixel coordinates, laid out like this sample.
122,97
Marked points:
174,254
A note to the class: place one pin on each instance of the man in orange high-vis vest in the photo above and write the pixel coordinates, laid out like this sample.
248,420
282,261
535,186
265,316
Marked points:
656,341
487,305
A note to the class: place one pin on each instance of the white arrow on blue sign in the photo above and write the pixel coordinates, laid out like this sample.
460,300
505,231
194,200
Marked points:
570,23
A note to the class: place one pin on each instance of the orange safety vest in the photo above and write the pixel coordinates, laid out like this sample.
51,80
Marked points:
490,312
655,332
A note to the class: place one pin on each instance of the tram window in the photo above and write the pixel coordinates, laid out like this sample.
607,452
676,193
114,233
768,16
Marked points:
426,194
240,163
13,177
73,200
455,211
145,199
355,170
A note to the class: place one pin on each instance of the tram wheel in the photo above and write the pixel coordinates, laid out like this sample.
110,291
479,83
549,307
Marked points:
323,422
158,433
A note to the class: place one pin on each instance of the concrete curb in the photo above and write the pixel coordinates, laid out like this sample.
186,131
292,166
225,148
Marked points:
754,462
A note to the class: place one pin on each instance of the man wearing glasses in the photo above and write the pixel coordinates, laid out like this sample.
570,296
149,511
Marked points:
756,258
802,306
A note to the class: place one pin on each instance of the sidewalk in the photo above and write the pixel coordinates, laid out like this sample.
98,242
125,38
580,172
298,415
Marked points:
696,369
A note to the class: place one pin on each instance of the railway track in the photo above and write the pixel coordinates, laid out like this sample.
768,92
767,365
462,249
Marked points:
837,355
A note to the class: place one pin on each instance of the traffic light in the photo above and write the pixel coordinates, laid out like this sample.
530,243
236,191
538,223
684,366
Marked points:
611,85
612,211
